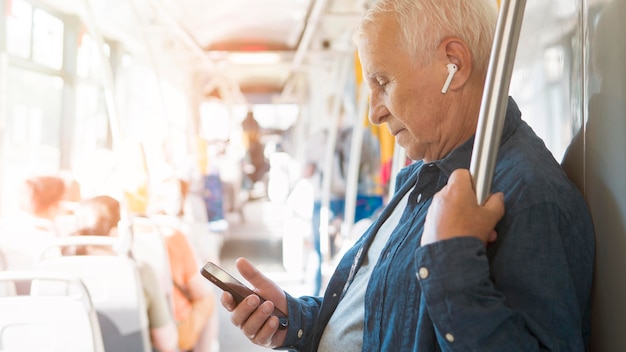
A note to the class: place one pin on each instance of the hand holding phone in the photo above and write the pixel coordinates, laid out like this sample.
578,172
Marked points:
238,290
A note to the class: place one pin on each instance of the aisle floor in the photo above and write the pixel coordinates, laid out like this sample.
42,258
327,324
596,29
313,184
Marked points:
259,238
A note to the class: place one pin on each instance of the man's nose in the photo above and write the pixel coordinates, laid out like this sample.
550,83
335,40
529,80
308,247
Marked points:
377,111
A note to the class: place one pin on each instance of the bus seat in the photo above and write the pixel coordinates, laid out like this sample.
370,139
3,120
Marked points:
21,248
52,323
65,224
7,288
121,245
116,291
22,244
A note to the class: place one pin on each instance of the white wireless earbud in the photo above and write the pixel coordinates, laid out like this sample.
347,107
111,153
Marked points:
451,71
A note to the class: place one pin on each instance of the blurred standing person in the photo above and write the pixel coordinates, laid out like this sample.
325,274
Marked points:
255,166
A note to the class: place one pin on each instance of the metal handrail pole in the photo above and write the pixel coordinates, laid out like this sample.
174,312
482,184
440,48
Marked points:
495,96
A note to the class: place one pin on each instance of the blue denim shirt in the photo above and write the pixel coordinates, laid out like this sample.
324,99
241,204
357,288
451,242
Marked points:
528,291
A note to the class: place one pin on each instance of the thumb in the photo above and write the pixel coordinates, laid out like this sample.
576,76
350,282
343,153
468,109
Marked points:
262,285
252,274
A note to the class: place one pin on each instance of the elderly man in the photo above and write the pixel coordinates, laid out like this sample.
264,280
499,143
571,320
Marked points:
446,281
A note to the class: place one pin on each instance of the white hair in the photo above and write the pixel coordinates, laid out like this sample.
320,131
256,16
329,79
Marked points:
425,23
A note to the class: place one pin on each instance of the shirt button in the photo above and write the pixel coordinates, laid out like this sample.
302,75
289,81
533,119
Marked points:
423,273
450,337
334,295
419,197
300,333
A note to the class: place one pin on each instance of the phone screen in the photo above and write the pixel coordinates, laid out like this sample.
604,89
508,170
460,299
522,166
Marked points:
227,282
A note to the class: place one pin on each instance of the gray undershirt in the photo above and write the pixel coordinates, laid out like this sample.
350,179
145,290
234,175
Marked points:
344,331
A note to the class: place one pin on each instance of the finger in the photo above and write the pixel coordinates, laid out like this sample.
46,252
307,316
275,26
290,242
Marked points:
228,301
243,311
263,286
265,335
460,176
255,322
460,185
493,236
495,205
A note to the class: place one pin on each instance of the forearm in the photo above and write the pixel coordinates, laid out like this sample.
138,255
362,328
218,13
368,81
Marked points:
471,313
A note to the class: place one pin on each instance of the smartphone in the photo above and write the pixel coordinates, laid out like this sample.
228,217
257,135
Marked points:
238,290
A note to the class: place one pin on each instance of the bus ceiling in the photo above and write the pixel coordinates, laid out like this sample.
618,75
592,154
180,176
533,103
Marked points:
246,46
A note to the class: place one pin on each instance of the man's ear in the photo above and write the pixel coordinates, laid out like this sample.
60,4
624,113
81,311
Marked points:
454,52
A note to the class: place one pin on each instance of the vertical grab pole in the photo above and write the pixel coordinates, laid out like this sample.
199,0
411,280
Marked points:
495,96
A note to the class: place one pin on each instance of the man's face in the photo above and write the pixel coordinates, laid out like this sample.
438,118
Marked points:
404,94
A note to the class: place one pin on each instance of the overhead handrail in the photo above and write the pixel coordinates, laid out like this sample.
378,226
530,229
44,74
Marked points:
495,96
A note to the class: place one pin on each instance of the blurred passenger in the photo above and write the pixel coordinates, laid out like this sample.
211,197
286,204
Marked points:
194,302
65,221
41,199
228,160
99,216
255,166
24,238
72,195
213,189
